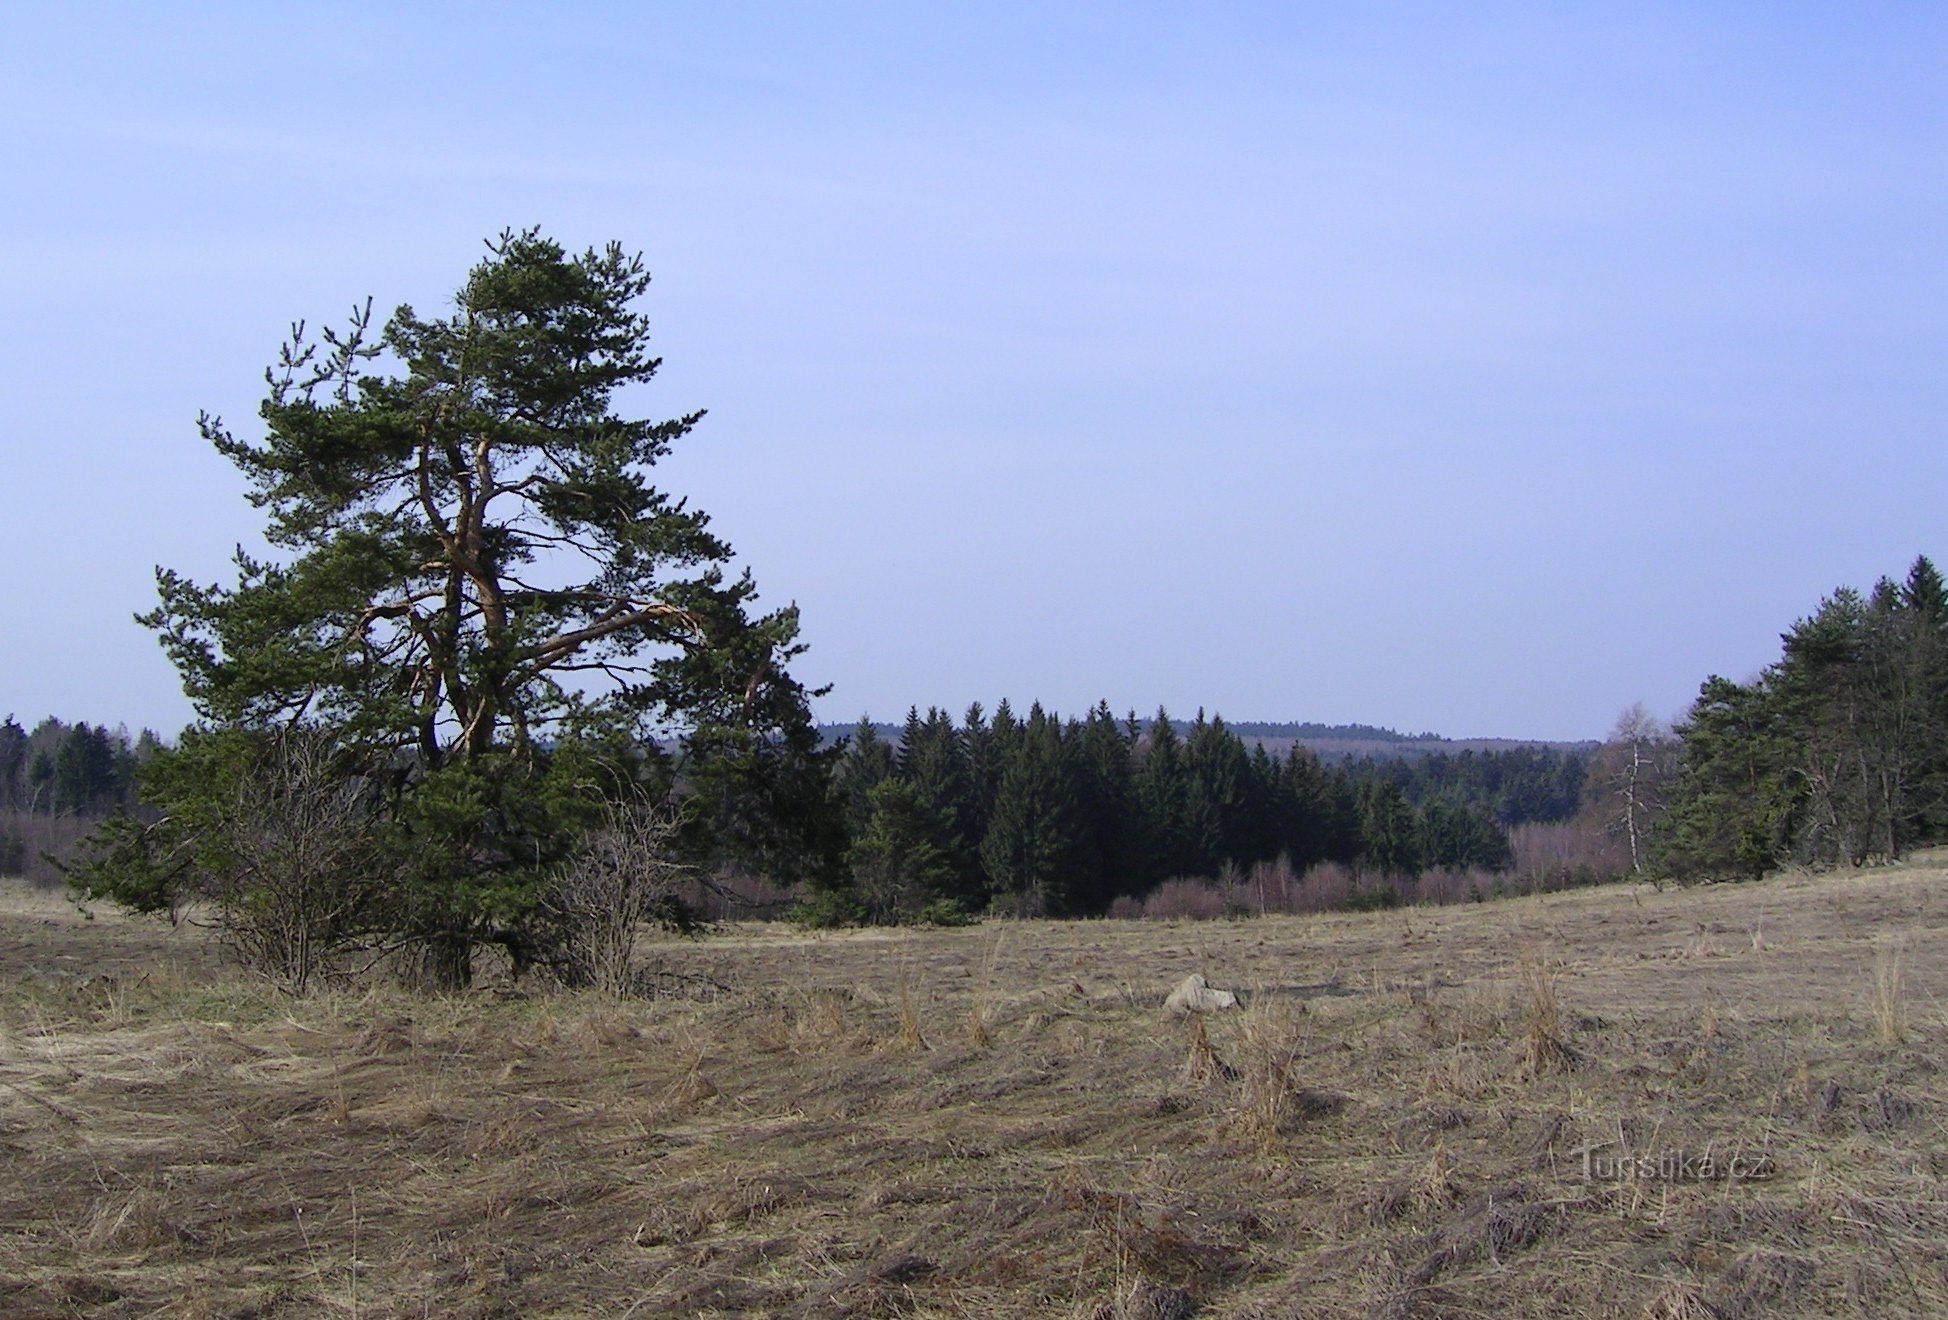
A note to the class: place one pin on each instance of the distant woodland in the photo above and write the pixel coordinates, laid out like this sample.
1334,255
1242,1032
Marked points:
1056,816
496,690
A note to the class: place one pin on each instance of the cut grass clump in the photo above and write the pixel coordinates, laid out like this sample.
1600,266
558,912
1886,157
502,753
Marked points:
1890,996
1545,1040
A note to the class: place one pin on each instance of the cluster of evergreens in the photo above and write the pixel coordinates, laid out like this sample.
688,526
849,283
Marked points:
1517,786
1064,816
61,772
69,769
1836,753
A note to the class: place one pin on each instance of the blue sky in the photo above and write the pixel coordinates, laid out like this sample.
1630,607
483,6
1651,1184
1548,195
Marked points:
1481,368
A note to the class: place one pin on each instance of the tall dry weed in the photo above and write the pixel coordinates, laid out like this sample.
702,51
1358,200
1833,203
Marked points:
1890,996
980,1011
911,1036
1545,1042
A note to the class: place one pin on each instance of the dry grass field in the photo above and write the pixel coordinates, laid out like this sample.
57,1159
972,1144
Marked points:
1725,1102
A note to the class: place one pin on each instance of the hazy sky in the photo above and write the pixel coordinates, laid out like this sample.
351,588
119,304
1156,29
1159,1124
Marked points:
1473,368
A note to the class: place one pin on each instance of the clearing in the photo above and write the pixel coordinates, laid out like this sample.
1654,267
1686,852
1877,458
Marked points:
1720,1102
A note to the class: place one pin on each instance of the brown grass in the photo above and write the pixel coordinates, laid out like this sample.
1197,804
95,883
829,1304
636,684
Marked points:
1397,1122
1890,996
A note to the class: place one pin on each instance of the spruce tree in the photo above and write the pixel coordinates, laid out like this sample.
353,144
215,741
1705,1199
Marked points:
1030,848
1162,795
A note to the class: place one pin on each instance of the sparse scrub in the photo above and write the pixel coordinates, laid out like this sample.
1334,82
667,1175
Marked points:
1272,888
1269,1097
1566,854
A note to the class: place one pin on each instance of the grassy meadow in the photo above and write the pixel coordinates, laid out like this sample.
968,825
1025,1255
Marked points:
1722,1102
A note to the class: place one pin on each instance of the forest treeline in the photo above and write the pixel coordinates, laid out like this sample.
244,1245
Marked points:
57,780
1836,754
1047,815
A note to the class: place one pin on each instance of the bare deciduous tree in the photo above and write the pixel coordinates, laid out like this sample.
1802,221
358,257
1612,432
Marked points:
1631,774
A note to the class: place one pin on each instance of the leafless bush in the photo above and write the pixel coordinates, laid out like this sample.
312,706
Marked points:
623,875
1545,1044
1199,900
1446,885
303,864
1325,885
28,839
731,894
1567,853
1890,996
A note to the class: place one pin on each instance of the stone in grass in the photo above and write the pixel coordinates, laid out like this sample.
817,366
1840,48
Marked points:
1193,995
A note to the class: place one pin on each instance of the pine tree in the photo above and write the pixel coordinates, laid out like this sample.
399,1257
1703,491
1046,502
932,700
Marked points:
934,762
477,593
1389,835
1738,799
13,765
1110,841
84,778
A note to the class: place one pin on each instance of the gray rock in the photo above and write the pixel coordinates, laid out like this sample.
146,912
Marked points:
1193,995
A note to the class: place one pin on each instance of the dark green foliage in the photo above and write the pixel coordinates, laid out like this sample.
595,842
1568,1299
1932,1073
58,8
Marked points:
1163,805
65,769
86,776
1456,835
1033,839
13,765
1217,797
1066,817
1834,755
898,871
1515,786
933,760
1109,857
1737,798
481,601
867,763
1389,832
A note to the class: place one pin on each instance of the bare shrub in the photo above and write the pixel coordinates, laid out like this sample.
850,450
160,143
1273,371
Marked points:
1272,886
1545,1044
1197,900
1562,854
1326,886
303,864
1447,885
622,875
1269,1044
